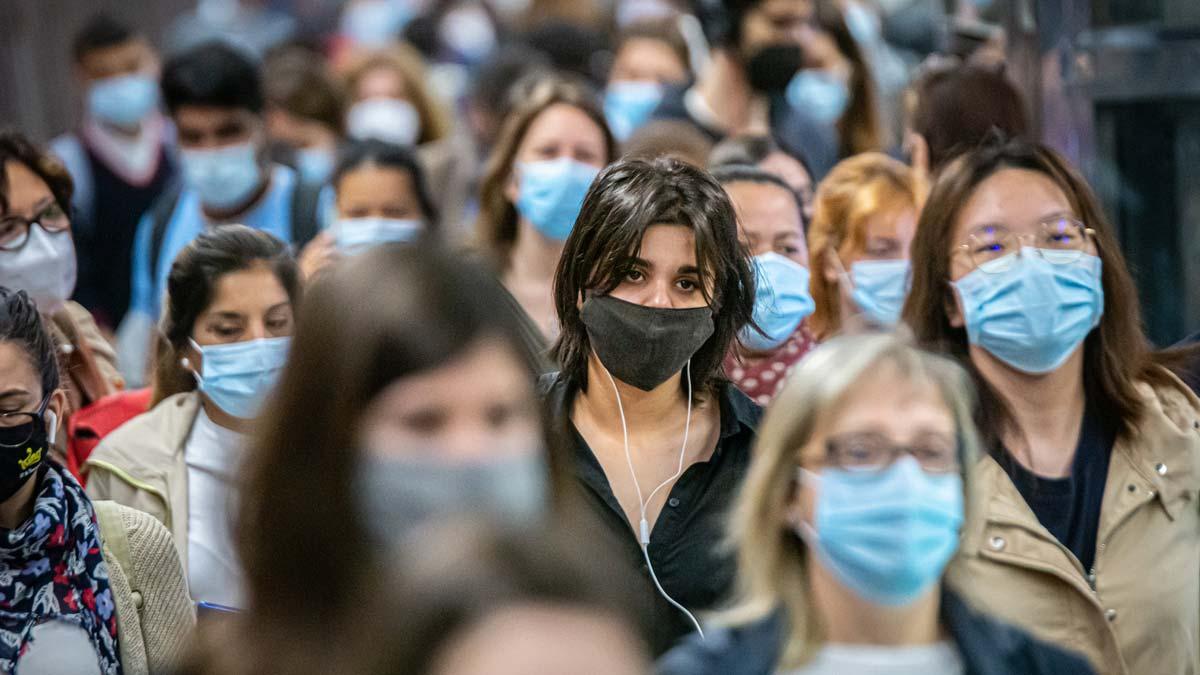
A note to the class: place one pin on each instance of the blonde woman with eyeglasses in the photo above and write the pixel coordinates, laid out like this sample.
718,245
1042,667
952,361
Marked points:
848,517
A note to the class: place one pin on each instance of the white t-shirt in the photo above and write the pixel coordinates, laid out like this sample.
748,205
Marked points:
837,659
212,454
59,647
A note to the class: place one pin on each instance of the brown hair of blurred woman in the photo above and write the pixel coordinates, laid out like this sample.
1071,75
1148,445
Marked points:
859,128
395,312
406,62
496,226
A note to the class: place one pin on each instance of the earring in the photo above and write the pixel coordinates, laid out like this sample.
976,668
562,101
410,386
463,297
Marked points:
185,363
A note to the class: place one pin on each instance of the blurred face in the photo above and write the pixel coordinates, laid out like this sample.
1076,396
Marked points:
544,639
208,127
794,174
298,132
371,191
775,22
381,83
29,200
561,130
648,60
127,58
882,409
246,305
1017,200
768,220
664,273
479,406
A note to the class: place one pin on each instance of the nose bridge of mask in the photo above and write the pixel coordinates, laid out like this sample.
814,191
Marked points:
240,358
357,234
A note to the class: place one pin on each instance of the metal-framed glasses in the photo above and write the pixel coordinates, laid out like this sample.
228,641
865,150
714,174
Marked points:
865,451
11,421
15,230
1061,240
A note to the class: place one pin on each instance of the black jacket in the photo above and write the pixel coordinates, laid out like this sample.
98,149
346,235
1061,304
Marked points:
988,647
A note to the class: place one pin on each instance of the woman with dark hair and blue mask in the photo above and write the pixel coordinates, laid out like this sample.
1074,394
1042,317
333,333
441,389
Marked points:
771,226
652,288
223,341
380,197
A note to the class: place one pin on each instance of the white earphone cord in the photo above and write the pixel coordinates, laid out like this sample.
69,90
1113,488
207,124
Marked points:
643,526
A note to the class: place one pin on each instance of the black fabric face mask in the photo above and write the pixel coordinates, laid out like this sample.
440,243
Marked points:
644,346
22,459
771,68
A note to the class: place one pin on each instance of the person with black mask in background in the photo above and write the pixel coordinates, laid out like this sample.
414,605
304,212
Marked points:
121,158
651,290
756,51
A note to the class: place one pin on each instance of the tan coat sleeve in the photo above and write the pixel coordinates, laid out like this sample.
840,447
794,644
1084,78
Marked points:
103,483
102,350
168,616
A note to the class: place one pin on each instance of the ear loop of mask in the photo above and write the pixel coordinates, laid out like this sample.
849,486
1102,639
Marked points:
643,525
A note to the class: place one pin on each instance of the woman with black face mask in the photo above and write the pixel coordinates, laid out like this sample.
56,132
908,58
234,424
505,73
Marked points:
651,290
84,588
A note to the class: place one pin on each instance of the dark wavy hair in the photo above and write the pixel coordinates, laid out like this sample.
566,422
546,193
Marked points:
625,199
16,147
194,275
22,325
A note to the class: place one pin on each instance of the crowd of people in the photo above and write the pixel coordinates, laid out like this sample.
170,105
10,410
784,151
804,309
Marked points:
649,336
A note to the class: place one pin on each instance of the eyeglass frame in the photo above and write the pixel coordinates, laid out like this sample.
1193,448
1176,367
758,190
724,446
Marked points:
34,416
833,457
40,220
1088,234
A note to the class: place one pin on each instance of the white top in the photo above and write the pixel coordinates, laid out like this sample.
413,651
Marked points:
212,454
58,647
837,659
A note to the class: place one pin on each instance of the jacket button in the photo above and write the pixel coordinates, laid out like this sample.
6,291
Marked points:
1161,469
997,543
673,502
1110,614
1131,487
137,599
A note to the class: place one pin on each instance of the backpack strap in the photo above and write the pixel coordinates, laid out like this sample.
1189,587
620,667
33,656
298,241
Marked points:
306,198
113,535
160,216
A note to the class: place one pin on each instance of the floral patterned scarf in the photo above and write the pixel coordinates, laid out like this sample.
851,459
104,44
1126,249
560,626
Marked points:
51,567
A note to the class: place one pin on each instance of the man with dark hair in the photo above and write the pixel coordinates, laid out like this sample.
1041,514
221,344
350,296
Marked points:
121,158
214,95
756,50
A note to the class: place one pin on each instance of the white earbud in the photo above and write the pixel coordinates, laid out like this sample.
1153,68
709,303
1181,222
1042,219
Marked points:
52,424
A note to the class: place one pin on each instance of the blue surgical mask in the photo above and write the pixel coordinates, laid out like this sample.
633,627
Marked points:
223,177
1029,312
355,235
818,95
123,101
628,105
781,301
887,535
315,165
237,377
551,193
879,289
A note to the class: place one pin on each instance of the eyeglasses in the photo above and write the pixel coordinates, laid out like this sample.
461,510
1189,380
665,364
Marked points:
1059,241
14,230
874,452
15,420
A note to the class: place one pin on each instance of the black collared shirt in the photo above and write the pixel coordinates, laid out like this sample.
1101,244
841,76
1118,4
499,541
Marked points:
686,543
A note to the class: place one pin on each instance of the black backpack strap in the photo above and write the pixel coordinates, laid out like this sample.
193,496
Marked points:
160,216
306,222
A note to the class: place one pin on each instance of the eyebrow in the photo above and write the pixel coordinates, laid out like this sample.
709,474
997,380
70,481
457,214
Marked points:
227,315
283,305
15,391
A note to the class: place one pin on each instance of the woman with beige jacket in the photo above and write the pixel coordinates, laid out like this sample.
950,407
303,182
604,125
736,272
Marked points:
226,330
1086,524
85,587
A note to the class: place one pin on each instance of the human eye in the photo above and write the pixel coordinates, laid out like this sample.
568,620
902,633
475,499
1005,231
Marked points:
687,285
